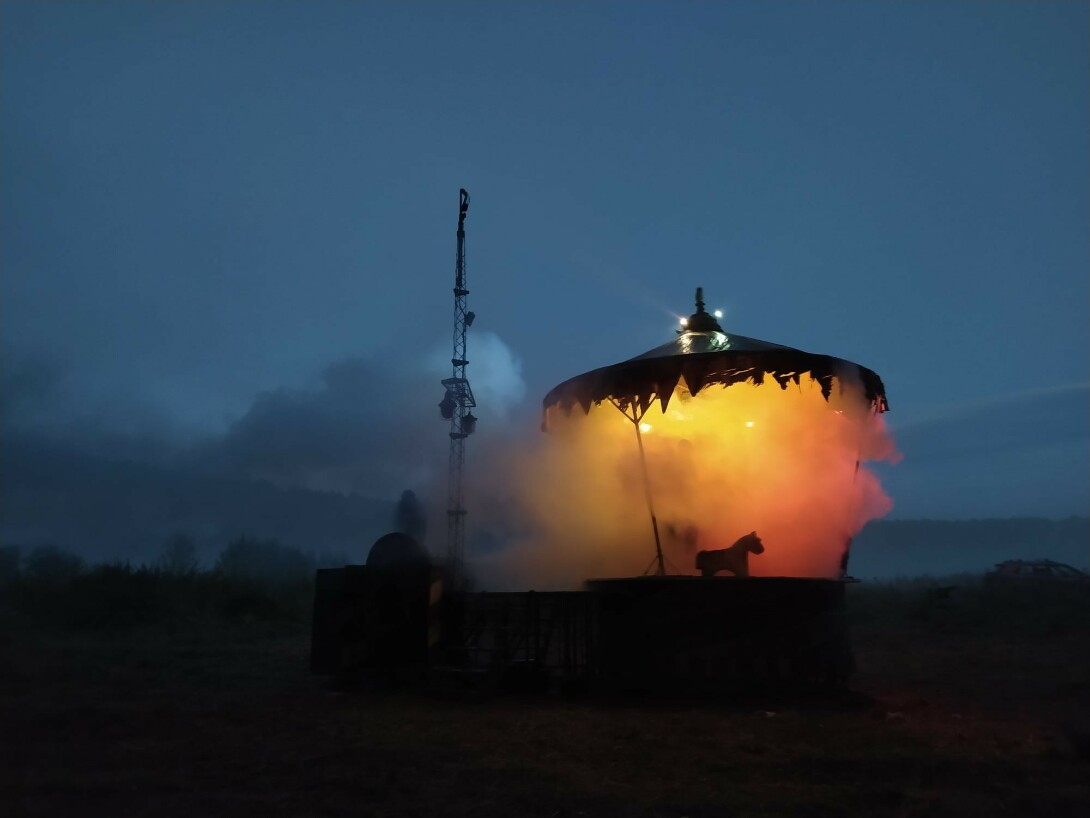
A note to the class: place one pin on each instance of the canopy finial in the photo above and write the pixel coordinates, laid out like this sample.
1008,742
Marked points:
700,321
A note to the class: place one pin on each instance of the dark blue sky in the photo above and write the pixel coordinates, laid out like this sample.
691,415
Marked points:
201,202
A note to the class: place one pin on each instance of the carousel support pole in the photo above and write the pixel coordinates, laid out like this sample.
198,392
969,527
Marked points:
636,417
650,504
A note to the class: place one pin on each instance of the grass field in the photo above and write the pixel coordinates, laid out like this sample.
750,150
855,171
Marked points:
978,704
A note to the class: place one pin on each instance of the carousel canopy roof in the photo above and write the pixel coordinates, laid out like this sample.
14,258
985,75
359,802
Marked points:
704,354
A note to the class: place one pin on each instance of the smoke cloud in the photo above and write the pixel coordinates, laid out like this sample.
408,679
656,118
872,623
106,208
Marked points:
371,427
786,464
361,431
495,373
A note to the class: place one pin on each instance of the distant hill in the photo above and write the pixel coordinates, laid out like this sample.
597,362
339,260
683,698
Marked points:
891,548
107,509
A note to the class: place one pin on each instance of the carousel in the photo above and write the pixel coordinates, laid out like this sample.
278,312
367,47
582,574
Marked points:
744,453
745,456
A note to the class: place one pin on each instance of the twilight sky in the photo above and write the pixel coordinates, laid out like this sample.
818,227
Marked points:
227,228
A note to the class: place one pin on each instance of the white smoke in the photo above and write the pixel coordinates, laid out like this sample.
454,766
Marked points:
494,372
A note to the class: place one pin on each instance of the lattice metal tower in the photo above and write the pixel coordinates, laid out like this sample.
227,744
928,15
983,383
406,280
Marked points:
457,403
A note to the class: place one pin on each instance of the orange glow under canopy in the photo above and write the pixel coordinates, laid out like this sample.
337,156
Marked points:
739,435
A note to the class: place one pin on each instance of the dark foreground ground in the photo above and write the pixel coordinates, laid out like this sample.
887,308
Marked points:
973,705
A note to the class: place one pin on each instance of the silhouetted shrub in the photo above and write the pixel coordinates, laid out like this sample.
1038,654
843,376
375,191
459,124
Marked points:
253,582
267,562
179,556
53,565
118,596
114,595
10,559
969,605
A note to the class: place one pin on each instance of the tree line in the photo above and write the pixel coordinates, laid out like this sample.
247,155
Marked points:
250,581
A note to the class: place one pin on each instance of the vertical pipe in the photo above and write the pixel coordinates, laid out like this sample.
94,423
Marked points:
650,504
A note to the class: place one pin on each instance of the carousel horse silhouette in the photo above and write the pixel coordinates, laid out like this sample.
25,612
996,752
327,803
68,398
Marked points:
734,559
